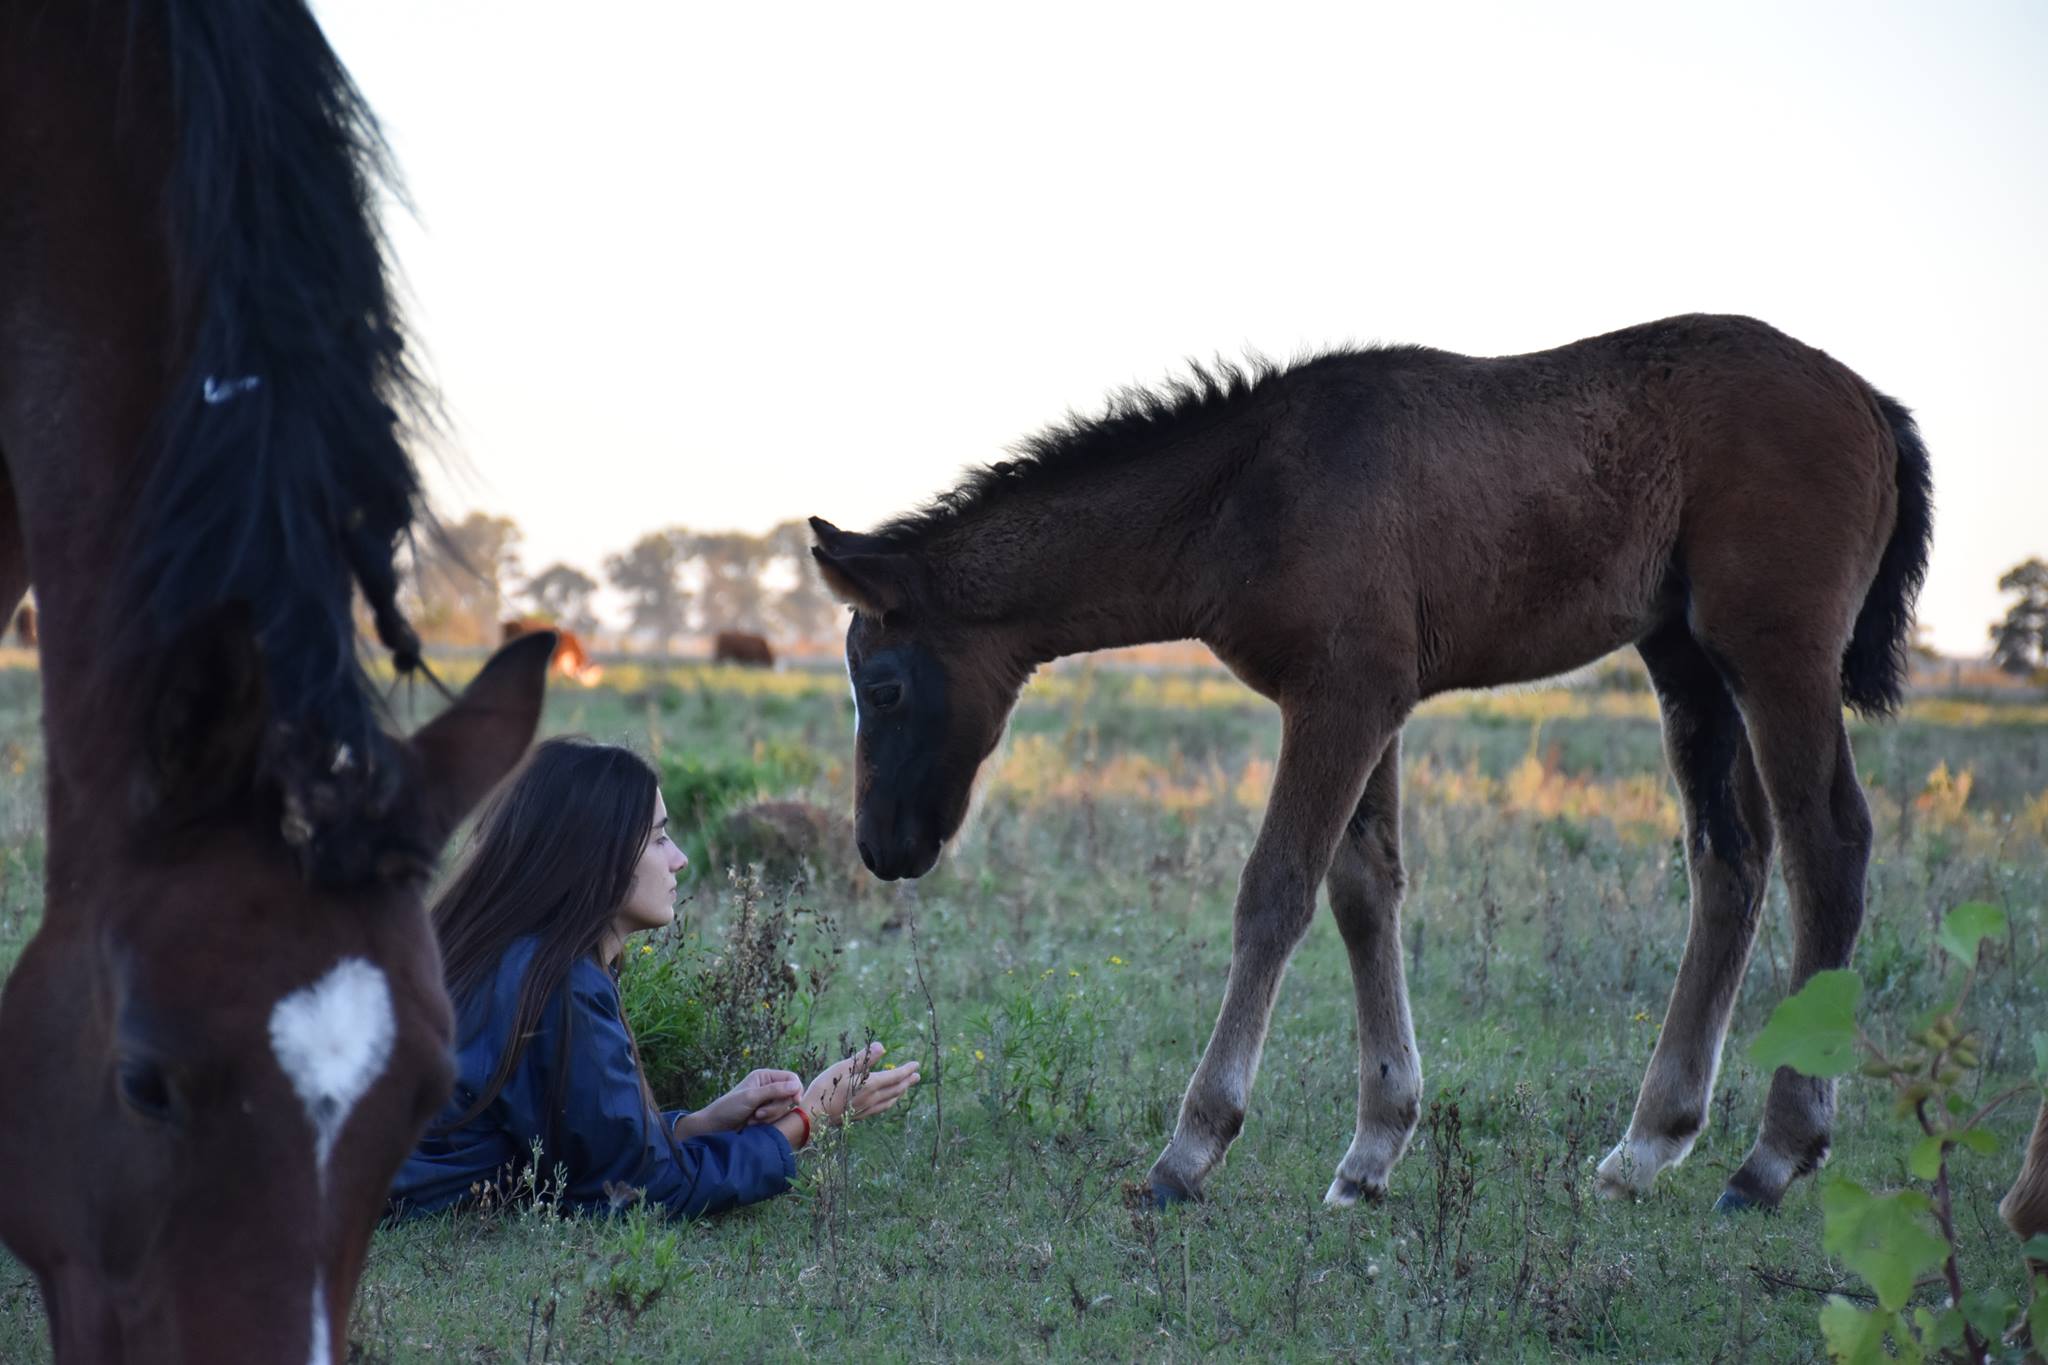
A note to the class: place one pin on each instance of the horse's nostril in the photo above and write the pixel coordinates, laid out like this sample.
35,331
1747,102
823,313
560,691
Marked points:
867,855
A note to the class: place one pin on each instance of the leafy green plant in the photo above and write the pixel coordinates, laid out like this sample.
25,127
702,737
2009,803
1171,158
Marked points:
638,1265
661,991
1034,1052
1901,1241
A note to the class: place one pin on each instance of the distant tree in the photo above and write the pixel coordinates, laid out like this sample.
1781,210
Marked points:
732,595
651,576
803,608
2019,643
562,595
461,575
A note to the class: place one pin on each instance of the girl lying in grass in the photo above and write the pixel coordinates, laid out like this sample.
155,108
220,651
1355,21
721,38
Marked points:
569,860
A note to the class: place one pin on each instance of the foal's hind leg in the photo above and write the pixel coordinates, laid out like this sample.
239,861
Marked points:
1823,827
1324,760
1365,884
1728,855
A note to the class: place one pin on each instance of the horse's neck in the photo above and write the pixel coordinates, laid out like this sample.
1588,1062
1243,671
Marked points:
1098,563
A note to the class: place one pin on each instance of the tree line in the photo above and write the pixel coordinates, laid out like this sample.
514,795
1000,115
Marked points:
468,577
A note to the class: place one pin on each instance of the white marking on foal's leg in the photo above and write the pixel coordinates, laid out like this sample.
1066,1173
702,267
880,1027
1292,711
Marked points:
1635,1163
332,1040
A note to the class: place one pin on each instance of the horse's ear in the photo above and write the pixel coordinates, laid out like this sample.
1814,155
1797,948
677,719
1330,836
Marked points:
467,749
829,537
874,584
834,541
204,732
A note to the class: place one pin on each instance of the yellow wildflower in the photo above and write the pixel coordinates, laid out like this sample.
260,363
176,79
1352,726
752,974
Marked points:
1115,961
979,1056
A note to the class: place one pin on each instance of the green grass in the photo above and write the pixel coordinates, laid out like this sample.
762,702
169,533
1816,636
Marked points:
1077,940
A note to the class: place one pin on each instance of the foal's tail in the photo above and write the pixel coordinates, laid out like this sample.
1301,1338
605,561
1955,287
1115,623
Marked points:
1874,665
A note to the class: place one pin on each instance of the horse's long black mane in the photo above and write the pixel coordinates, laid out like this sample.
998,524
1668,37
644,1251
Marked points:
1136,423
281,479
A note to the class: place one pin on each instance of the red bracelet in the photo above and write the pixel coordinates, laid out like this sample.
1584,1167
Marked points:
799,1112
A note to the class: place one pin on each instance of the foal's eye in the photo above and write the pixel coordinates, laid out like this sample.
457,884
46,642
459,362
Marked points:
146,1090
885,695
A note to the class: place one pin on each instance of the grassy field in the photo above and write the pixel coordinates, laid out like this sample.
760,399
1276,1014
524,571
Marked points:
1058,975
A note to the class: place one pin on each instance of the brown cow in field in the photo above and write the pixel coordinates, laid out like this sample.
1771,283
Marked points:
741,647
25,625
570,658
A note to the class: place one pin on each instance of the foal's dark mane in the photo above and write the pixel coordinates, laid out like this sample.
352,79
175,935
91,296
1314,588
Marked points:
284,494
1136,423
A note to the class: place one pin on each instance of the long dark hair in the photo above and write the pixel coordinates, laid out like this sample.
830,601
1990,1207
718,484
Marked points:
552,859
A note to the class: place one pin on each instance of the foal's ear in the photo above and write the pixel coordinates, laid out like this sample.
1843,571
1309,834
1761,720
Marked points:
468,748
829,537
204,732
873,584
834,541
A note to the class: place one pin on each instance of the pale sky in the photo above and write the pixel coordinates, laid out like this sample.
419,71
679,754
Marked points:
723,265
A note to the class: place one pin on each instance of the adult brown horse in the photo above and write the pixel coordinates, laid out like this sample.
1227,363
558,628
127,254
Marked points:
1372,527
230,1026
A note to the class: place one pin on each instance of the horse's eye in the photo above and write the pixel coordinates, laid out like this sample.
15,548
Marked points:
885,695
146,1090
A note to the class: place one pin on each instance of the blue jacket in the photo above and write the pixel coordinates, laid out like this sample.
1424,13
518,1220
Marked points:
602,1130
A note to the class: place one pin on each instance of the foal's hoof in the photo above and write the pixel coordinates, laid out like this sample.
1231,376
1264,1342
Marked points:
1733,1200
1613,1187
1345,1192
1163,1191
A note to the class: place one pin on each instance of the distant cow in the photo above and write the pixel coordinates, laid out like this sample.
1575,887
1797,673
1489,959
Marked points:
741,647
570,659
25,625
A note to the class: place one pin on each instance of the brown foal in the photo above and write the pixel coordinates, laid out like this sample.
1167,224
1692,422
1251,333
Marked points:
1370,528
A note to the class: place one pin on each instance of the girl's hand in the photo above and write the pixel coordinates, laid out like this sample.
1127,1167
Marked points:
854,1089
763,1097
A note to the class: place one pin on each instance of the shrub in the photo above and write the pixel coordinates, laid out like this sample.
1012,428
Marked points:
704,1019
1901,1241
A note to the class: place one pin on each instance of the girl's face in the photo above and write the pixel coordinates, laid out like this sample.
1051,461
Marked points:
652,901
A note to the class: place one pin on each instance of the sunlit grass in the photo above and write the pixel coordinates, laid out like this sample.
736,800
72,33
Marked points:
1058,974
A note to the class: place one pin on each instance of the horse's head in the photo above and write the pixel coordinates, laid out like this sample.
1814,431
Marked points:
249,1057
932,691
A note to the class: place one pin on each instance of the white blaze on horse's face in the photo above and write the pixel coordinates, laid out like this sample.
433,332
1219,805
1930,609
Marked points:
332,1040
320,1352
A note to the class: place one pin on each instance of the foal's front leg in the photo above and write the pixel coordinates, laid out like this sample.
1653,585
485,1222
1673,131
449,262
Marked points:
1324,760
